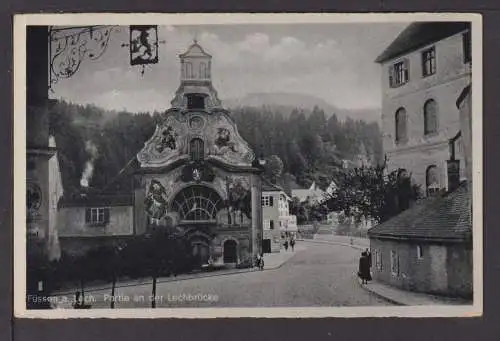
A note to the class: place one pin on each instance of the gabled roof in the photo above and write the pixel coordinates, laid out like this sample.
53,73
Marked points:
195,50
270,187
443,218
97,200
419,34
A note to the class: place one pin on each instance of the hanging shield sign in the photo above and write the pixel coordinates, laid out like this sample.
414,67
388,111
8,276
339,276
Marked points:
143,44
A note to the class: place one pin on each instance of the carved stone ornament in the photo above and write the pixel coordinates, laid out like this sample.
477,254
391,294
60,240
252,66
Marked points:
227,144
167,143
197,172
33,197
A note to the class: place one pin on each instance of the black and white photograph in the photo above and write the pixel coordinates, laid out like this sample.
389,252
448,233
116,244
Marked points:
264,165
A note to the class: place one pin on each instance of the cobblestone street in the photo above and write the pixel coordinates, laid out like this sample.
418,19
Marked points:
318,275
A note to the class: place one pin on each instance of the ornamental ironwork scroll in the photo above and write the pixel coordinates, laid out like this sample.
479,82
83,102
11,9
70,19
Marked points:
69,47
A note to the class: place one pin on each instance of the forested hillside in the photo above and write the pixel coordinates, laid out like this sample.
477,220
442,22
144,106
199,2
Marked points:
95,144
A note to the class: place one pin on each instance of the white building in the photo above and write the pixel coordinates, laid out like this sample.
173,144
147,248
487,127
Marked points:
424,70
277,220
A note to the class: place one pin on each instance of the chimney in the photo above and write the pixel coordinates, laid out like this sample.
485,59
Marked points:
453,166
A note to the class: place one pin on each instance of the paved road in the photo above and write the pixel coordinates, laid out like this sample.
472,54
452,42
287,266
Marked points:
318,275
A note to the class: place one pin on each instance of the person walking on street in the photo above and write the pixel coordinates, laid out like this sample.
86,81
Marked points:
292,243
364,268
286,244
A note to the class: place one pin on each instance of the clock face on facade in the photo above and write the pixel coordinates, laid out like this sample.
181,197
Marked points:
33,196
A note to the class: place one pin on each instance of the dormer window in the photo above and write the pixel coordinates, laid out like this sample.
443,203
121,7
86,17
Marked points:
195,101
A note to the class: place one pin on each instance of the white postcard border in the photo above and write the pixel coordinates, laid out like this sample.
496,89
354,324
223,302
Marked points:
23,20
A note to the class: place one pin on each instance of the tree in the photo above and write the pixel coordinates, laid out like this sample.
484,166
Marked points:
298,163
368,192
300,210
273,168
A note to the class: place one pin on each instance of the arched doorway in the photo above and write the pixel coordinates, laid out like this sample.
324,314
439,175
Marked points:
230,248
200,251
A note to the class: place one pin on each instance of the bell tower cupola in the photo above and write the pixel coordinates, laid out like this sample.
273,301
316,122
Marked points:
196,91
195,64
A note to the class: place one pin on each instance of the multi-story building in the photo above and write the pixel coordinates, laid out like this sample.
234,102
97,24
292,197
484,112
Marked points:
424,70
278,223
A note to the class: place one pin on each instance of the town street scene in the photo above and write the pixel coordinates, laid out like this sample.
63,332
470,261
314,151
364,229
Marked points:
249,165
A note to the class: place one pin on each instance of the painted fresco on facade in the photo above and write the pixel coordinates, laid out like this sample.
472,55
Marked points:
156,201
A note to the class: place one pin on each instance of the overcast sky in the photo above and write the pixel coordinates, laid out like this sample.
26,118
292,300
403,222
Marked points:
331,61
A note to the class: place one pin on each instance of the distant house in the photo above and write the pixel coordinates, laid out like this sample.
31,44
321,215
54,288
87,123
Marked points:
424,71
313,195
278,223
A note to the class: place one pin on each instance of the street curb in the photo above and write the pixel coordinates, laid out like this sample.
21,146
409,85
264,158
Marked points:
280,265
388,299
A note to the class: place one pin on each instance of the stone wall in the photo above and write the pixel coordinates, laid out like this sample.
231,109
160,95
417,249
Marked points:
443,269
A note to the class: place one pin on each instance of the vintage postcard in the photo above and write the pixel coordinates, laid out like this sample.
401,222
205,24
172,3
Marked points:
248,165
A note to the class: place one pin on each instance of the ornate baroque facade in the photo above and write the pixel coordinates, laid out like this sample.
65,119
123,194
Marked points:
195,177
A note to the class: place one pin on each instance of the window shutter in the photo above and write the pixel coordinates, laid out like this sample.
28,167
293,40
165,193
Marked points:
271,201
391,76
406,68
87,215
106,215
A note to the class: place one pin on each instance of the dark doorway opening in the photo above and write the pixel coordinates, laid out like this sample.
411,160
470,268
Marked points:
266,246
195,101
230,251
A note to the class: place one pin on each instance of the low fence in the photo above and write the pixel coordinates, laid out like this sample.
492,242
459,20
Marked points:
355,241
306,231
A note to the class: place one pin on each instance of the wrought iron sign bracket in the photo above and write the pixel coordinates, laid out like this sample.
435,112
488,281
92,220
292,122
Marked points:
70,46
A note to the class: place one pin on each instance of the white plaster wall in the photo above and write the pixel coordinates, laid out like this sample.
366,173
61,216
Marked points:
451,77
71,223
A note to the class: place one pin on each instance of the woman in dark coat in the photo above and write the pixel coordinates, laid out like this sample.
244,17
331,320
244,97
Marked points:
364,268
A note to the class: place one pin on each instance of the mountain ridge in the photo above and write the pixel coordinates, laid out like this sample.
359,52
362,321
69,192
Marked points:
304,102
